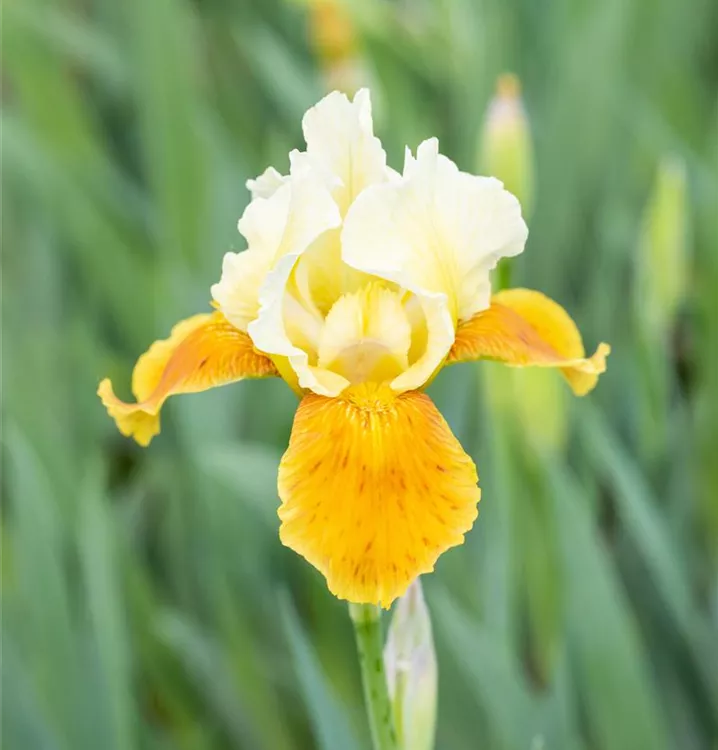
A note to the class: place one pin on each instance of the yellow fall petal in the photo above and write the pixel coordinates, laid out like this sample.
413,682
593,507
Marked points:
202,352
525,328
374,487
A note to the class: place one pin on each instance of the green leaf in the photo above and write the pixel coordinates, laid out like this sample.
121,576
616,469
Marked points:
492,673
615,683
330,725
105,608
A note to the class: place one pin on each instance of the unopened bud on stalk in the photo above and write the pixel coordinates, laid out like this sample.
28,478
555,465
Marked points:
505,151
663,251
505,145
412,674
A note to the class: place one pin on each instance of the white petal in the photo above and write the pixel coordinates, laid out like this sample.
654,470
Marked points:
284,224
442,229
262,224
342,147
266,184
392,261
440,336
237,293
311,212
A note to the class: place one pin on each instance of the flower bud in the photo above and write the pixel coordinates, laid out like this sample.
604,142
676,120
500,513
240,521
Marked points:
334,39
412,673
505,147
663,251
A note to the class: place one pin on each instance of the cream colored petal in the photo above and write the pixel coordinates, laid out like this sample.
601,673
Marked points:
342,147
311,213
319,275
278,229
270,333
439,337
237,293
430,314
263,225
266,184
366,336
265,220
344,157
302,324
438,227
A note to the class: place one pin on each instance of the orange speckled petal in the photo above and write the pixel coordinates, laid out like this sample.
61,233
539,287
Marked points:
374,487
202,352
524,328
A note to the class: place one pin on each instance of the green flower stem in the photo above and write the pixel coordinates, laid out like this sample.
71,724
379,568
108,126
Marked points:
367,629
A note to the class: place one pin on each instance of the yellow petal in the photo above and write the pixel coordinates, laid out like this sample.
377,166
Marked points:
524,328
366,335
202,352
374,488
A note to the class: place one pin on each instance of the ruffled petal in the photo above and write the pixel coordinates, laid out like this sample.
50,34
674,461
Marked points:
278,229
342,147
310,213
374,488
524,328
436,229
266,184
201,352
237,292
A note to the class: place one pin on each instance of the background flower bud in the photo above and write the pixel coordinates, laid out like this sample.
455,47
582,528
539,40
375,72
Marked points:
663,250
505,148
335,42
411,669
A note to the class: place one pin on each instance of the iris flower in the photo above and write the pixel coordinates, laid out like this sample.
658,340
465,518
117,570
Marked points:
357,286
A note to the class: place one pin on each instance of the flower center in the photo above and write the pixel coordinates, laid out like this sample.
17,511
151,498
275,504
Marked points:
367,361
371,331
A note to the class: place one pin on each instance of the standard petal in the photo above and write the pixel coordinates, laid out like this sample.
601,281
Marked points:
237,292
311,213
342,147
266,184
437,229
277,227
525,328
374,488
201,352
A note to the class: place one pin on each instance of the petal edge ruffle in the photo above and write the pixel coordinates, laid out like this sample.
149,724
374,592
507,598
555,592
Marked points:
202,352
525,328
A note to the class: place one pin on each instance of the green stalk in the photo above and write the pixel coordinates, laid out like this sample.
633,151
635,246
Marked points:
367,629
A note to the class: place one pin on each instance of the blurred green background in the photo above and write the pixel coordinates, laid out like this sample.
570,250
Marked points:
147,601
